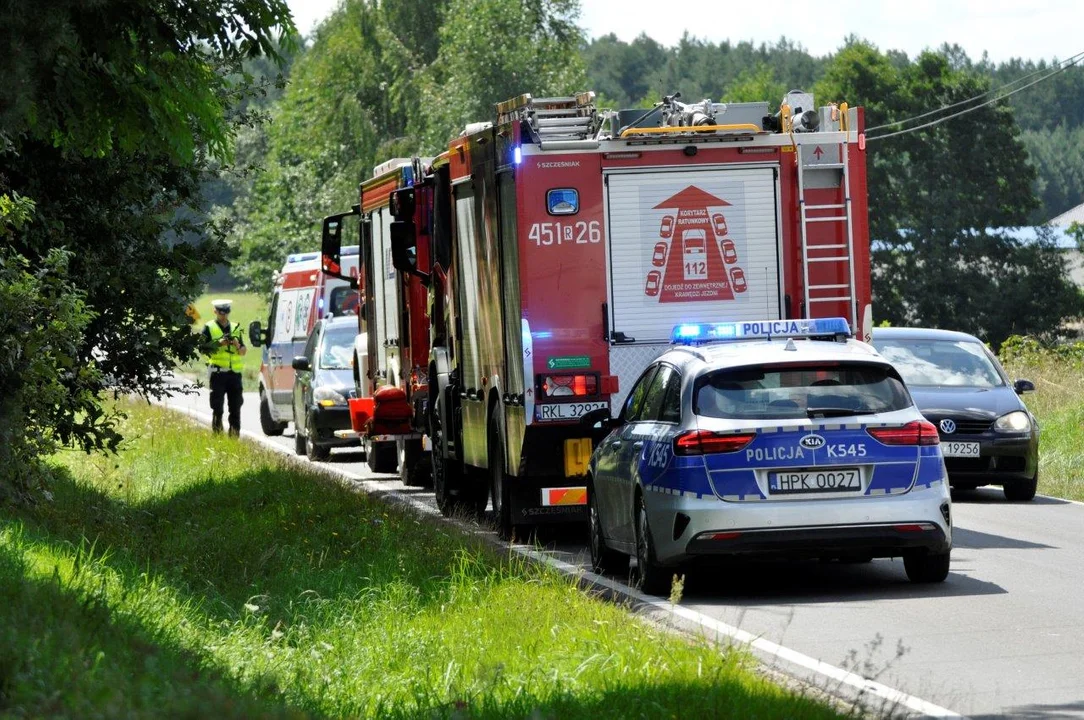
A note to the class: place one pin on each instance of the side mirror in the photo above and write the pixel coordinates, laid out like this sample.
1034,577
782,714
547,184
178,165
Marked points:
404,249
301,363
1023,386
331,245
602,418
255,333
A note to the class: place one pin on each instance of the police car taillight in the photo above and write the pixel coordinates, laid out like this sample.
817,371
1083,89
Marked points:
706,442
916,432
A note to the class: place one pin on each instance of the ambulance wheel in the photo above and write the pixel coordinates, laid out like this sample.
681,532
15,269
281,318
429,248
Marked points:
299,441
382,457
651,578
414,464
498,485
926,567
603,559
267,423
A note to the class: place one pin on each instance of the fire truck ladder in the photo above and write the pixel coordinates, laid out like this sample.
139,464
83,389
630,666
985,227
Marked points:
554,118
839,292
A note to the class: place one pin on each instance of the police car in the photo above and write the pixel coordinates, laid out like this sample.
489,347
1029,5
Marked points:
775,438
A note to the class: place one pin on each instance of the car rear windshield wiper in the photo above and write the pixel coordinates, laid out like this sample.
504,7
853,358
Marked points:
826,412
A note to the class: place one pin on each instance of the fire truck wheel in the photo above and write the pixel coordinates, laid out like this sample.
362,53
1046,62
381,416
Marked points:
267,423
414,467
499,487
382,457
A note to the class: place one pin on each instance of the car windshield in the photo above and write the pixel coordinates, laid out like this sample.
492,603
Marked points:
940,363
799,391
337,348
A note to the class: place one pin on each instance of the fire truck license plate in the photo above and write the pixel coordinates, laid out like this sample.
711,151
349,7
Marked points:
567,411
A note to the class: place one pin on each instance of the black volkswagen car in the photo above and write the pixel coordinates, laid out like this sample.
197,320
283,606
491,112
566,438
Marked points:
323,383
988,436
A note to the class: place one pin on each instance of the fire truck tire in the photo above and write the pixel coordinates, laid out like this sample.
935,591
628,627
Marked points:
499,487
382,457
415,469
267,423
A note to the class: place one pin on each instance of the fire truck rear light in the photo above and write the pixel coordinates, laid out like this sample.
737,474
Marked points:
916,432
570,385
706,442
610,385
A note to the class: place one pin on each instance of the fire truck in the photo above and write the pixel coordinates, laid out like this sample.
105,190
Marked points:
561,244
391,354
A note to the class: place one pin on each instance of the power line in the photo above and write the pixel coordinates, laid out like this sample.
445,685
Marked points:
1060,69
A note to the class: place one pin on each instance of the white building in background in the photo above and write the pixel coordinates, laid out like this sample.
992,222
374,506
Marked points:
1069,217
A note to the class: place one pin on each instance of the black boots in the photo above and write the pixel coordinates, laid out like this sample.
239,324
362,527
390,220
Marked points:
235,432
216,422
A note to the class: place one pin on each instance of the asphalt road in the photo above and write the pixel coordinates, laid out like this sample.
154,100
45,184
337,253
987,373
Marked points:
1002,637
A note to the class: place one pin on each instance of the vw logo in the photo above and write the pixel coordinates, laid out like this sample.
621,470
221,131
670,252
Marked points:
948,426
811,442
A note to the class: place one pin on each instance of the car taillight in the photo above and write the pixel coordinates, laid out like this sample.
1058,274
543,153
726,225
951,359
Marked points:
569,385
916,432
706,442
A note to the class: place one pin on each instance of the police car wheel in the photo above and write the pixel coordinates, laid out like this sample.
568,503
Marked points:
603,559
926,567
651,577
299,441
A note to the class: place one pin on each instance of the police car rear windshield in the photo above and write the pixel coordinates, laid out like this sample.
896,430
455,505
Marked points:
807,391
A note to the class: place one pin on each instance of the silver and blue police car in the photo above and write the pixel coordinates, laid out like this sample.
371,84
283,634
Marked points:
774,438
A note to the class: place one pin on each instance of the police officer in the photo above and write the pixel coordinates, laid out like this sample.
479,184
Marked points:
224,346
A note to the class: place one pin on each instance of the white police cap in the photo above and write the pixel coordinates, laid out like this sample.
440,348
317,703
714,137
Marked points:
223,305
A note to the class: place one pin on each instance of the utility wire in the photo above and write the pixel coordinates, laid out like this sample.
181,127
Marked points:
933,123
1068,62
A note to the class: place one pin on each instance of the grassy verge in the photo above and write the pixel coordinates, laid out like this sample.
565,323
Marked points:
197,576
1058,403
246,308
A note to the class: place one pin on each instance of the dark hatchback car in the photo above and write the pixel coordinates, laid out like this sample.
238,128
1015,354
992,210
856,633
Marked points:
323,383
988,436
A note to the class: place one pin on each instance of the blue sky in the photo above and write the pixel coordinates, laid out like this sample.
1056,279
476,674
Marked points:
1033,29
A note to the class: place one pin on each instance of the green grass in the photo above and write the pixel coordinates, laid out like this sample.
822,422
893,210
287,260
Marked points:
1058,404
197,576
246,308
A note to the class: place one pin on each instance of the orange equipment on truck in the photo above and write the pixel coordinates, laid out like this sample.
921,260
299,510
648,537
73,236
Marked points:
392,348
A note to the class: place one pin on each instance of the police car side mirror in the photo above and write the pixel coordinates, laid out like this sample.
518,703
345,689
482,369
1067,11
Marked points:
255,333
301,363
1023,386
601,417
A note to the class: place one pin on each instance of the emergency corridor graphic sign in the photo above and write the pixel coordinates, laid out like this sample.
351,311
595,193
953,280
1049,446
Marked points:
692,245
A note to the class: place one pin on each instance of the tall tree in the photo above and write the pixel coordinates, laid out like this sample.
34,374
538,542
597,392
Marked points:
939,198
111,112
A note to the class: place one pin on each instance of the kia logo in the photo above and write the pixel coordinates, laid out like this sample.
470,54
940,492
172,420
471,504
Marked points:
811,442
948,426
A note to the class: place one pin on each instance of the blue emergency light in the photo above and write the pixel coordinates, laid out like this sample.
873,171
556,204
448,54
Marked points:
696,333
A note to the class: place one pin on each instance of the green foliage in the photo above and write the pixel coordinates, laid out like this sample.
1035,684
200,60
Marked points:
110,115
204,576
1058,157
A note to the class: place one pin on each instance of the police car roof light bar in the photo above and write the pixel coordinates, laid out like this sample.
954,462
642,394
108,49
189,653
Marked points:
698,333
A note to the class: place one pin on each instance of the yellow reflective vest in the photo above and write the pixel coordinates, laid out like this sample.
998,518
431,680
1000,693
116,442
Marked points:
225,356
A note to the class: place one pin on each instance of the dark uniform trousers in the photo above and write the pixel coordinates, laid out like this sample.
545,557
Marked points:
226,384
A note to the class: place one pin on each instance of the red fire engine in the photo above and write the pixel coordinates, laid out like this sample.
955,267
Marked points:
391,353
561,244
